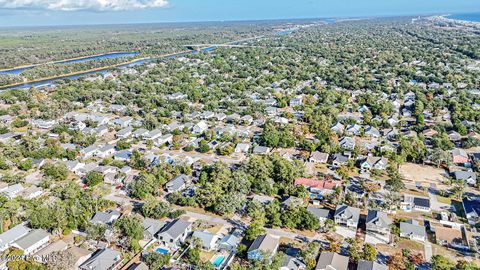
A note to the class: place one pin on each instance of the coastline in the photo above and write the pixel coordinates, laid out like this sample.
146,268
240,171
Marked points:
446,18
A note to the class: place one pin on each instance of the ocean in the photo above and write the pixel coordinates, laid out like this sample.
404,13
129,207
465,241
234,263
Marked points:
472,17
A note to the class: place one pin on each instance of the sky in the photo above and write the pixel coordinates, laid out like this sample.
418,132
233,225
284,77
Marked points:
80,12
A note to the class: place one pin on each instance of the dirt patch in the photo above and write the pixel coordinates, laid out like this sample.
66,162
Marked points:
421,173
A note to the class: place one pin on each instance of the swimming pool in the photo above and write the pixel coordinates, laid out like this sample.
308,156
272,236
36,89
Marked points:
218,260
161,250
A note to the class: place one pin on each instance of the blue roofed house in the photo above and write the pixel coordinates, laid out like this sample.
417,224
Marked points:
264,245
472,209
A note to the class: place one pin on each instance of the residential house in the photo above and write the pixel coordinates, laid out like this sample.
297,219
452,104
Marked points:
264,245
33,241
31,192
354,129
415,203
332,261
318,157
229,242
167,138
200,127
124,133
413,231
43,124
152,135
347,216
378,222
106,218
322,187
80,255
454,136
123,155
378,163
261,150
292,263
371,265
338,128
471,207
178,183
339,160
347,143
174,233
242,148
89,151
139,133
105,151
10,236
151,227
13,191
459,156
105,259
321,214
297,101
372,132
468,177
208,239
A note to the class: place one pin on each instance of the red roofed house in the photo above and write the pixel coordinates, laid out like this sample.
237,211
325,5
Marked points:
323,187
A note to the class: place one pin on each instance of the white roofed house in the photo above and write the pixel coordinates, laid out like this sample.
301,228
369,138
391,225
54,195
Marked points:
43,124
318,157
152,135
74,166
338,128
242,148
200,127
105,151
378,163
174,233
13,191
372,132
140,133
33,241
354,129
167,138
10,236
124,133
89,151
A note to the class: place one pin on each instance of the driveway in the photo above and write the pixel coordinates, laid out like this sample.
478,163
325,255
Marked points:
428,251
436,205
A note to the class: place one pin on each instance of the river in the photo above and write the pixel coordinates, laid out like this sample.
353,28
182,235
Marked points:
49,82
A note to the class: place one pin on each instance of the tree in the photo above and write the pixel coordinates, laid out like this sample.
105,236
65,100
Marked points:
310,254
354,249
440,262
440,157
369,252
155,209
25,165
93,178
396,262
394,182
156,261
255,229
57,172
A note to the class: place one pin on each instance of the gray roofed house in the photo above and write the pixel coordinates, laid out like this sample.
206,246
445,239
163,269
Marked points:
332,261
370,265
292,263
347,143
32,241
178,183
10,236
339,159
151,227
229,242
139,266
174,233
347,215
467,176
321,214
412,230
105,259
107,217
261,150
263,245
13,190
372,132
378,222
207,239
319,157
